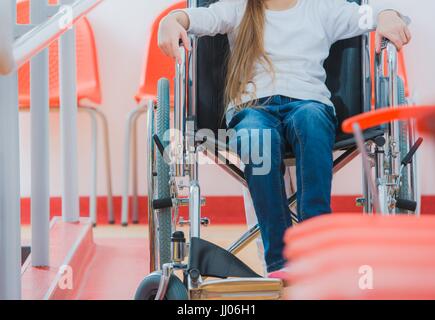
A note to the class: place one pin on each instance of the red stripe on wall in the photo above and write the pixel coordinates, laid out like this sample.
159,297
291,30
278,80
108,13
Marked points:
220,209
428,205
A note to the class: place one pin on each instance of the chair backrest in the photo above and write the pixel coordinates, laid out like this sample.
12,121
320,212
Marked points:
88,77
343,68
156,64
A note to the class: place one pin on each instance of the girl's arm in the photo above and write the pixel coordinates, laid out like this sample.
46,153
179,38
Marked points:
343,20
394,28
219,18
172,29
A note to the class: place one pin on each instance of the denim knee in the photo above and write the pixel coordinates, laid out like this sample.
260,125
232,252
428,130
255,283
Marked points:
314,119
259,149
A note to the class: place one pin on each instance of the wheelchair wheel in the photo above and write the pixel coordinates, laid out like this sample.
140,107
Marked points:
162,187
404,191
149,286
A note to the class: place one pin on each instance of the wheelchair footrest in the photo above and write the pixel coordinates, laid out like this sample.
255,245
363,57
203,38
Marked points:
239,289
213,261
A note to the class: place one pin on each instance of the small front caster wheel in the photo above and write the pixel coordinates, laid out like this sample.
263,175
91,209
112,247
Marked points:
150,285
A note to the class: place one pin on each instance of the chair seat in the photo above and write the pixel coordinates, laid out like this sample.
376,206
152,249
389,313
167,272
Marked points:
143,96
85,92
343,142
157,65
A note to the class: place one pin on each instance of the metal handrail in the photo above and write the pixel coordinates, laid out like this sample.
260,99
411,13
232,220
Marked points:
6,53
38,38
48,23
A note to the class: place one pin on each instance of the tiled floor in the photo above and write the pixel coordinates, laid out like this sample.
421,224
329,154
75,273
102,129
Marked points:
222,235
121,258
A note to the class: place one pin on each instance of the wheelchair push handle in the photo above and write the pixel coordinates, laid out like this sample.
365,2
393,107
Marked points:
386,66
385,45
183,47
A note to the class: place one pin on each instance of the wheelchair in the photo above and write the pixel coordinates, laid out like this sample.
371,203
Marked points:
199,110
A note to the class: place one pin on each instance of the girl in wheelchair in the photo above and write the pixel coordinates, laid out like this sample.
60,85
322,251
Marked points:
276,86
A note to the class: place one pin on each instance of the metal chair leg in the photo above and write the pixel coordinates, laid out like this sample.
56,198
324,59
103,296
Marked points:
94,113
132,116
94,145
135,203
108,167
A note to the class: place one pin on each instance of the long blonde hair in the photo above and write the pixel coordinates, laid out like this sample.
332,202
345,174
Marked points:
248,50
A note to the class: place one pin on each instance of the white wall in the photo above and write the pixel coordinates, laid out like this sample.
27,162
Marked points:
122,30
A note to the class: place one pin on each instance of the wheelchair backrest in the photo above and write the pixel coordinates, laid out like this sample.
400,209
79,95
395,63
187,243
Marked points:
343,68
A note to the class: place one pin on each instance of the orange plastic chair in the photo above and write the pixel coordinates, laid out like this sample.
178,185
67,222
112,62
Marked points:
354,255
88,91
327,264
332,223
355,229
88,78
346,282
326,253
401,270
156,66
425,116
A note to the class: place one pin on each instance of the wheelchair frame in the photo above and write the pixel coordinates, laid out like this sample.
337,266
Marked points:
387,159
384,157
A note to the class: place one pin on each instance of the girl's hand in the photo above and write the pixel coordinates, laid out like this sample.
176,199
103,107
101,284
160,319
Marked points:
392,27
172,29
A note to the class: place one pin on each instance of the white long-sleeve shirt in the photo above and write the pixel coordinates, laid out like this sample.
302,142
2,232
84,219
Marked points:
297,41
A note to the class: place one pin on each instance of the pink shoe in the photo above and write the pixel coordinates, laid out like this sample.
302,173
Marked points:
279,274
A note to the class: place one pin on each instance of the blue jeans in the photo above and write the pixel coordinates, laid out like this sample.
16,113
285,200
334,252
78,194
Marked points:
280,124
